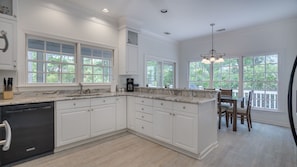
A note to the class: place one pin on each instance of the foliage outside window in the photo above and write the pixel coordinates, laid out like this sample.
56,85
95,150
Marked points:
260,73
96,65
226,75
160,74
199,75
168,74
50,61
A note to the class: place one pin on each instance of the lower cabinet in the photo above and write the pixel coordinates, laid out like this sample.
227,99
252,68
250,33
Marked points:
176,124
73,121
121,115
103,119
85,118
131,112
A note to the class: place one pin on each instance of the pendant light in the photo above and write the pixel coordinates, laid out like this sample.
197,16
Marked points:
212,56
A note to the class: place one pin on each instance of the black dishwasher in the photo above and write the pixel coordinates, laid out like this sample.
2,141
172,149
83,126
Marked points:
29,128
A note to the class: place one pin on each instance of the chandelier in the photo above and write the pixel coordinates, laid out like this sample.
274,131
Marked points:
212,56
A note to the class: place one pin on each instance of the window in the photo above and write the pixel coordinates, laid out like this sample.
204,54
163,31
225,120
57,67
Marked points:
168,74
226,75
199,75
96,65
50,61
160,74
260,73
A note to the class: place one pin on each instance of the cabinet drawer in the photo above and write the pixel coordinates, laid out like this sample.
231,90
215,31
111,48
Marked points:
144,116
163,104
70,104
144,127
143,108
186,107
144,101
102,100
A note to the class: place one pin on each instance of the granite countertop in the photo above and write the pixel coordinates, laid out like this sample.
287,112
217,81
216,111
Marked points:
51,96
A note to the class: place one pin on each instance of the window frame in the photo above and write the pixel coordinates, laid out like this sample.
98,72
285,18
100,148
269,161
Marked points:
77,57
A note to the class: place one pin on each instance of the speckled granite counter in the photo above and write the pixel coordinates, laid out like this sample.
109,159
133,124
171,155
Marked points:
177,95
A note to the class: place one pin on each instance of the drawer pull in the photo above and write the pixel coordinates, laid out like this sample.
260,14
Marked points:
103,101
161,104
184,107
142,101
142,116
173,114
74,104
142,127
142,109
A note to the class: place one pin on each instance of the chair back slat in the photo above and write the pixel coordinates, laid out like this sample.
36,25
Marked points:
226,92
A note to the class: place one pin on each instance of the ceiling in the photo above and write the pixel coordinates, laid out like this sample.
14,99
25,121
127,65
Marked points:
191,18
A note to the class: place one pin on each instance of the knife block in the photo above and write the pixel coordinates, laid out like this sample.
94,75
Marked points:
7,95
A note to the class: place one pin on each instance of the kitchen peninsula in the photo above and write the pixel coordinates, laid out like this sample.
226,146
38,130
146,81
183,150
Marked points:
180,119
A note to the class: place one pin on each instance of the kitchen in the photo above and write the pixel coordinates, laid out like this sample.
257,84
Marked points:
66,22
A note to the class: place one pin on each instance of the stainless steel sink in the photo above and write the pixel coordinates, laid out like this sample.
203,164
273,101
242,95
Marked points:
84,95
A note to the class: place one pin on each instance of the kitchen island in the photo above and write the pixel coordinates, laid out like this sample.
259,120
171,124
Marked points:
183,120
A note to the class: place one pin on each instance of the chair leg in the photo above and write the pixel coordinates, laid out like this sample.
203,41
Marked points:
227,123
248,123
220,115
250,118
231,118
242,119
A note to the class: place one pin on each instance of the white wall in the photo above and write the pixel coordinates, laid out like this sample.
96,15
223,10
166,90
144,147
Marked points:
63,21
278,37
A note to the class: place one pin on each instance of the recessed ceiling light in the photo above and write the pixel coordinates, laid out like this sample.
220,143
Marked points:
105,10
164,10
167,33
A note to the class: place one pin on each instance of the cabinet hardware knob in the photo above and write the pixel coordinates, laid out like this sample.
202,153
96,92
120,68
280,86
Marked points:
74,104
161,104
173,114
142,101
142,109
142,116
142,127
184,107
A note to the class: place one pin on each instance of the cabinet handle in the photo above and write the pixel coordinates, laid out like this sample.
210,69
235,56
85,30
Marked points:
142,127
142,101
142,116
3,35
103,101
142,109
184,107
74,104
170,113
173,114
161,104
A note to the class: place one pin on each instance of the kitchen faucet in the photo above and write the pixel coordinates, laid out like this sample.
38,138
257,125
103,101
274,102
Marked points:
80,88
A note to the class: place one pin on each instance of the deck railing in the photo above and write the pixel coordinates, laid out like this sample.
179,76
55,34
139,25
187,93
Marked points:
261,99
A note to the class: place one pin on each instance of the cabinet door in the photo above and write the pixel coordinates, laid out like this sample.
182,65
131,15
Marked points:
7,44
121,113
131,111
103,119
162,125
132,59
72,125
185,129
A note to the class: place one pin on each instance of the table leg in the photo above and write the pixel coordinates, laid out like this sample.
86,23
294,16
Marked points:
234,115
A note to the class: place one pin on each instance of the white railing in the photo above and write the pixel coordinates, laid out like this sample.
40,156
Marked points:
261,99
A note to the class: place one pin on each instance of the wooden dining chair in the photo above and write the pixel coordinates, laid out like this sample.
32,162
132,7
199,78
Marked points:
243,112
222,110
226,92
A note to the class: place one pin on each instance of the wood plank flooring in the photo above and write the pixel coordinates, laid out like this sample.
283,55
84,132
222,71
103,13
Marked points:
264,146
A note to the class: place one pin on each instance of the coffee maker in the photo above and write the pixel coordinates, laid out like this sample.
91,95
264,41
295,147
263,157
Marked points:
130,84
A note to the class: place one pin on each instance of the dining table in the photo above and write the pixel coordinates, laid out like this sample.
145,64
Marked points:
233,101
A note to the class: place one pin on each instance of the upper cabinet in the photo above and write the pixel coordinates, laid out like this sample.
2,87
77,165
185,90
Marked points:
8,35
128,52
8,9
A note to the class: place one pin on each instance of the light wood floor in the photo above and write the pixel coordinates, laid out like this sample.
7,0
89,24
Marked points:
264,146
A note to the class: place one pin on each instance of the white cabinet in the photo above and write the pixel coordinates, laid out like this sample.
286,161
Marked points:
131,112
7,44
121,113
8,9
162,126
176,124
85,118
128,52
144,116
185,126
73,121
103,116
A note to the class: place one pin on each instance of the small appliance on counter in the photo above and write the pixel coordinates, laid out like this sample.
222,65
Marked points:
130,84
